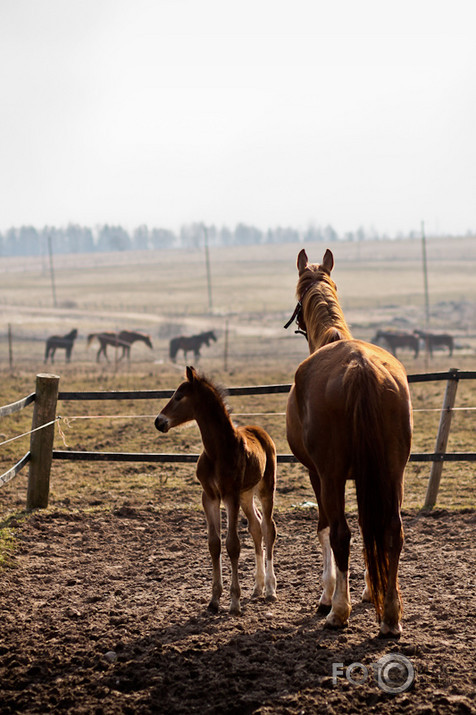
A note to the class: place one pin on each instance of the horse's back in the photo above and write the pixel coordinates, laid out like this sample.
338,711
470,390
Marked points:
331,367
336,388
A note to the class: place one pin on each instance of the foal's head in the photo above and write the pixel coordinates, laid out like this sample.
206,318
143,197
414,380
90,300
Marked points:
196,393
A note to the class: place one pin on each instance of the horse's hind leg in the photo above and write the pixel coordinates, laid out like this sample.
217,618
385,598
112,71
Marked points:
211,507
233,548
254,527
332,499
268,527
328,563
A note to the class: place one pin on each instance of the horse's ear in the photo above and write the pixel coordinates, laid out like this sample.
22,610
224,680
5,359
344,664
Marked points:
328,262
191,374
302,261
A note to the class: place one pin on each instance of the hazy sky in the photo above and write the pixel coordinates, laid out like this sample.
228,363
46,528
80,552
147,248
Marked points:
163,112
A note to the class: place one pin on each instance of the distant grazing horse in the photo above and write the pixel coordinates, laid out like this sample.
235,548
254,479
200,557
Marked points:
349,417
123,340
186,344
66,342
433,340
398,339
236,463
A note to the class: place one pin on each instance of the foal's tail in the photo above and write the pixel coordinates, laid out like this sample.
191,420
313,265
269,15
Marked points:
377,493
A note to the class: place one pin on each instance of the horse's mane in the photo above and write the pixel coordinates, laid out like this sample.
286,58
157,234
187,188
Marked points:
218,391
323,317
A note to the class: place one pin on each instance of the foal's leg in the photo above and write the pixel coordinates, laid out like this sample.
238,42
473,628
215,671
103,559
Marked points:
211,507
268,527
328,563
232,505
254,527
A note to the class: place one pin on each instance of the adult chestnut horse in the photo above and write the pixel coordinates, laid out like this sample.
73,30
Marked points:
349,417
236,463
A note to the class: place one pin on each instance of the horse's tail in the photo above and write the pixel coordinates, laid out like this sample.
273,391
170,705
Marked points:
91,337
377,496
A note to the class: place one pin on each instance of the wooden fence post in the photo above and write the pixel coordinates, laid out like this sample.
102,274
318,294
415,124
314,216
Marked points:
41,442
442,438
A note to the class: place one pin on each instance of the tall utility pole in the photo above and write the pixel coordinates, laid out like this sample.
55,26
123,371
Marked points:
425,277
209,277
52,272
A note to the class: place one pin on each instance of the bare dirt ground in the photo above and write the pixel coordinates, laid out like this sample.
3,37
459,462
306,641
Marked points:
105,612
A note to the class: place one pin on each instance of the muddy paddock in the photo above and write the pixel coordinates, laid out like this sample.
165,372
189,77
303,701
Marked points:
105,612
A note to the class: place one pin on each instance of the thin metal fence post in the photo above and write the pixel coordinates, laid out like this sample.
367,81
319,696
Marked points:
442,439
41,442
10,347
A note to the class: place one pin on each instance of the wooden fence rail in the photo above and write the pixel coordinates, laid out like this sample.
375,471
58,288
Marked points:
46,396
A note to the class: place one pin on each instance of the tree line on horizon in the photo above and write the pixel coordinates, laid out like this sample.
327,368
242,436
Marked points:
29,241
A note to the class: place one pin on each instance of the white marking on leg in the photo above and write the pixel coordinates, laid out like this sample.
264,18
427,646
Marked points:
270,590
366,593
341,607
254,527
328,568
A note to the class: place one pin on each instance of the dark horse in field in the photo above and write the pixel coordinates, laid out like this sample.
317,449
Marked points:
435,340
187,344
122,340
398,339
349,417
236,464
65,342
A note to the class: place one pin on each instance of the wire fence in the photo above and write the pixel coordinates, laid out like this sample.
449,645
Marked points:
46,397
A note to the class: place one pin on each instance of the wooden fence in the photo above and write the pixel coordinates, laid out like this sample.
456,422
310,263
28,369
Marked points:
47,394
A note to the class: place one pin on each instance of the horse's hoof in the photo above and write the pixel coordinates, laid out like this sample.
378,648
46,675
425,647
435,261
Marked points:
387,631
257,593
271,597
213,607
333,622
235,611
324,608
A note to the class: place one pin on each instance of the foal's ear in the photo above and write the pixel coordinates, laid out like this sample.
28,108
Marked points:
191,374
327,262
302,261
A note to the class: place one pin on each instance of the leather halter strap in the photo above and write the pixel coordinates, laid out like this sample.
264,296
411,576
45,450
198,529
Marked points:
297,314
